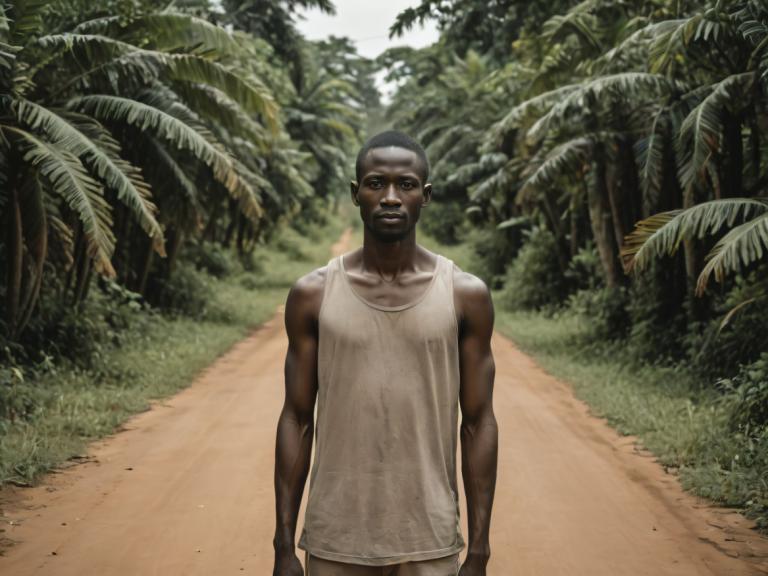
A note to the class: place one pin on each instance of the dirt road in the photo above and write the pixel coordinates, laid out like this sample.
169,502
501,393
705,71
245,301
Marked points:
187,488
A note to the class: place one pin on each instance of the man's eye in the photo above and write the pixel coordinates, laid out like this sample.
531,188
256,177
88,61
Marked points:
407,185
374,183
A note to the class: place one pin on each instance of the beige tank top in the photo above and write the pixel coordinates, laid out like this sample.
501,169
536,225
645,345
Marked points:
383,482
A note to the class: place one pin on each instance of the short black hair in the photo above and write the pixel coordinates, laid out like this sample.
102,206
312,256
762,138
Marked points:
392,138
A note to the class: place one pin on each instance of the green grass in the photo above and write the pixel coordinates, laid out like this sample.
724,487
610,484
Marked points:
160,356
684,424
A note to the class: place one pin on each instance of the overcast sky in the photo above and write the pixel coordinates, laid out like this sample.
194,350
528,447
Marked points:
367,23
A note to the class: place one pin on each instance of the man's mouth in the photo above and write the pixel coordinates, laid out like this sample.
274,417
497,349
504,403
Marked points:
390,215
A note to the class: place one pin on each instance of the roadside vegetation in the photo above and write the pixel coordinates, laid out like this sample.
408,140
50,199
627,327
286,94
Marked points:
602,166
166,171
130,353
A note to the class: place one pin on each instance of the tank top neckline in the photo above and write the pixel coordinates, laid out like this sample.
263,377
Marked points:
411,304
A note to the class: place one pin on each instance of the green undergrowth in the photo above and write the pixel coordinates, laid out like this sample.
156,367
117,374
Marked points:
684,423
66,406
690,426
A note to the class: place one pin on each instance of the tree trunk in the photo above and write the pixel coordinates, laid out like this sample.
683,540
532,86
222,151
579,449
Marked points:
37,247
233,222
600,219
734,157
83,276
14,261
241,228
146,266
557,230
617,206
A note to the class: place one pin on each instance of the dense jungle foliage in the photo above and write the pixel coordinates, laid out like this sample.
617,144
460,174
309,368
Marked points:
140,141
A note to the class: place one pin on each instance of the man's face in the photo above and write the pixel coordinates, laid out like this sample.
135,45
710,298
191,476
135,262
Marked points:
391,192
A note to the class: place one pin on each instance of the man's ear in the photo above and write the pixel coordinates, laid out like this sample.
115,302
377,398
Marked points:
427,194
353,188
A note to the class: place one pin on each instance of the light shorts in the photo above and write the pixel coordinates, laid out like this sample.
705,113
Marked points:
447,566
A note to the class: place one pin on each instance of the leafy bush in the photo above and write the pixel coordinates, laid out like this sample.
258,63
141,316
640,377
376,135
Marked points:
534,279
746,394
658,320
18,400
214,258
737,332
252,262
288,243
493,249
82,333
443,221
584,272
187,292
604,309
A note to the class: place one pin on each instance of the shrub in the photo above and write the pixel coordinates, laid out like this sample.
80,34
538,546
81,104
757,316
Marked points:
493,249
746,395
605,310
443,221
656,313
534,279
717,348
215,259
252,262
289,244
187,292
584,272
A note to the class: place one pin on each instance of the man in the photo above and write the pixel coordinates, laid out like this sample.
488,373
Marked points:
389,339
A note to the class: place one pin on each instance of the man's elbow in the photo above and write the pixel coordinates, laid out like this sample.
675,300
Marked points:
301,419
482,422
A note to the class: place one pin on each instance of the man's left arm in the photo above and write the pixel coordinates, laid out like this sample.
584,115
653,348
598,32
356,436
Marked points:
479,431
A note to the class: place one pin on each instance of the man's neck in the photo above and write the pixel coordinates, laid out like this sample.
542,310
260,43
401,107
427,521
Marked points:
388,259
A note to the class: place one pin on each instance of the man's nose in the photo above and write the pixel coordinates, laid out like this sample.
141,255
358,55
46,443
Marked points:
390,197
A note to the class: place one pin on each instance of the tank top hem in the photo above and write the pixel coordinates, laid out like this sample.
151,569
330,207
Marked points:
384,560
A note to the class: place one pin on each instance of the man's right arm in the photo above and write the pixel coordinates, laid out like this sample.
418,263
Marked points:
295,427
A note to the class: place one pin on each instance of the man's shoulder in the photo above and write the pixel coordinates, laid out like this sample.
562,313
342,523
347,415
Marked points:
311,283
306,294
471,295
468,285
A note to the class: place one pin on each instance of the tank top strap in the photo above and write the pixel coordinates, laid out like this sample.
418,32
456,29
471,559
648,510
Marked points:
446,272
331,280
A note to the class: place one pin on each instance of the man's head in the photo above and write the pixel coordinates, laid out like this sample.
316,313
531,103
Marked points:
392,185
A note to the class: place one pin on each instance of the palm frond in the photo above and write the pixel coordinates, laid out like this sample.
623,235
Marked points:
166,127
124,178
661,234
533,106
671,41
741,246
68,178
567,157
578,20
649,154
700,132
25,19
122,66
629,88
167,31
221,111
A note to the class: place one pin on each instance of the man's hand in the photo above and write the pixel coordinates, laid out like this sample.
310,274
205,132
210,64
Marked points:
473,566
290,565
